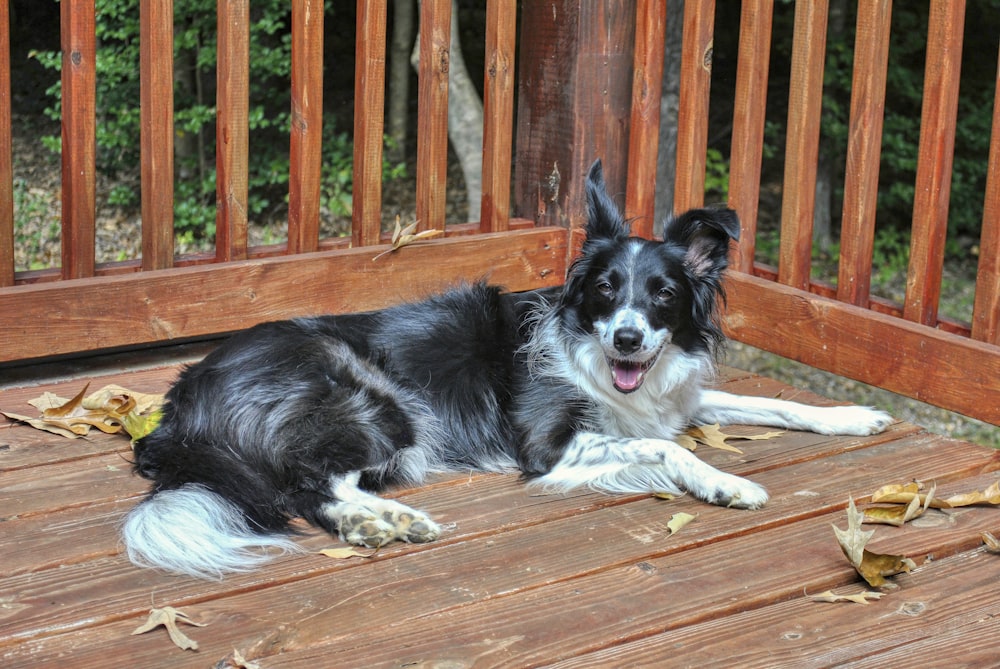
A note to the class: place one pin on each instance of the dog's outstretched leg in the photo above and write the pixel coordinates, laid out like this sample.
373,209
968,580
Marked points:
725,408
621,465
364,519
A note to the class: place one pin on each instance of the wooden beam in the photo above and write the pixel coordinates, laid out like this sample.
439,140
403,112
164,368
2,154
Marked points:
921,362
232,130
498,114
6,160
432,123
692,112
179,303
369,98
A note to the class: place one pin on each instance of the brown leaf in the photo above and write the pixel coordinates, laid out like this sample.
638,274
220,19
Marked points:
992,543
168,616
899,515
902,494
405,236
859,597
873,567
345,553
989,496
236,659
714,436
107,410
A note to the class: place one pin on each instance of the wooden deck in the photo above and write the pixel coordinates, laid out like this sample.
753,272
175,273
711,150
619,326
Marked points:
519,579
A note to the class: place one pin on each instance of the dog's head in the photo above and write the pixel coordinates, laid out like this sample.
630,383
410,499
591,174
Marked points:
636,296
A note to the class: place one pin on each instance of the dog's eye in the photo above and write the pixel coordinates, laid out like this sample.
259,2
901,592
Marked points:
664,294
605,288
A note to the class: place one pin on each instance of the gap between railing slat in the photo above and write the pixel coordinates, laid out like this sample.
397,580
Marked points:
805,108
935,159
156,65
986,309
78,133
432,123
369,98
498,114
644,125
692,111
232,132
871,59
748,123
306,142
6,148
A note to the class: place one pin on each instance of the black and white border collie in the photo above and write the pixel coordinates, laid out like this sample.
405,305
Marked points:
586,385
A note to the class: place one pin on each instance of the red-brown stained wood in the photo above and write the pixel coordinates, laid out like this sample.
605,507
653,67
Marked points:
805,107
369,98
864,140
692,113
498,114
986,310
212,299
748,123
78,138
306,143
933,366
935,158
644,129
6,164
232,131
432,121
156,64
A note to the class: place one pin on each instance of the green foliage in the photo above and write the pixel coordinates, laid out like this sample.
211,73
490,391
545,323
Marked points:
716,175
195,50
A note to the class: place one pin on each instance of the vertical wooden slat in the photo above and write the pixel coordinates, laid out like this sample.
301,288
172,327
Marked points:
232,131
936,154
156,64
805,106
692,112
644,128
6,166
78,138
432,123
498,113
748,123
986,310
306,144
369,98
864,140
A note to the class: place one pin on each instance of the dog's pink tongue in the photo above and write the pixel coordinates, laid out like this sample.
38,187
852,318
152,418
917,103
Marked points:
627,377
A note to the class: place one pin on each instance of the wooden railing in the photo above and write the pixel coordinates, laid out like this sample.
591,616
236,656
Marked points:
588,86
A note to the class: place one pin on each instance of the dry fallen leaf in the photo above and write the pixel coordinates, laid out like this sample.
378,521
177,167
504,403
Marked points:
236,659
108,410
873,567
345,553
664,495
715,437
899,515
903,493
678,521
168,616
859,597
405,236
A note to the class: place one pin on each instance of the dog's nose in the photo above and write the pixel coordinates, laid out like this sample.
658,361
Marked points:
627,340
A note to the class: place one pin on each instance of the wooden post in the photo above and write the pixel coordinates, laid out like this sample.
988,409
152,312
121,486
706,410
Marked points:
574,104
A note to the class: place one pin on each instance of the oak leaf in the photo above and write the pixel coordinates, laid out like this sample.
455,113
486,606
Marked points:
873,567
168,616
859,597
715,437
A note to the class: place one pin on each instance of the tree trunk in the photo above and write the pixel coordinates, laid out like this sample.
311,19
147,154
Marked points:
666,160
465,118
397,114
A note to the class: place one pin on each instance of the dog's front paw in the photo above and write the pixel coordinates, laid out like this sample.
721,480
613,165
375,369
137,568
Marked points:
854,421
736,492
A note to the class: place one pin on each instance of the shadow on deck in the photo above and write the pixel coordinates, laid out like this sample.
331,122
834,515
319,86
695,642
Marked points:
518,579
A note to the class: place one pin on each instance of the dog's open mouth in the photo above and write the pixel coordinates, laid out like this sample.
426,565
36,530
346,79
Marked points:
627,375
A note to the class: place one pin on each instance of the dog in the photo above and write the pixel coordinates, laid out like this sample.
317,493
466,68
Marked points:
586,385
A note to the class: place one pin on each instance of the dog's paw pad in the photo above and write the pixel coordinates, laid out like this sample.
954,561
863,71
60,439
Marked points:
412,526
363,529
740,494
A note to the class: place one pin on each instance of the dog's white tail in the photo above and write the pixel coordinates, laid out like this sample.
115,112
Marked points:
191,530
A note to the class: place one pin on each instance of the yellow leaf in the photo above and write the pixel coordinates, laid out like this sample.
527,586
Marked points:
168,616
106,410
899,515
687,441
859,597
678,521
138,426
664,495
345,553
989,496
992,543
714,436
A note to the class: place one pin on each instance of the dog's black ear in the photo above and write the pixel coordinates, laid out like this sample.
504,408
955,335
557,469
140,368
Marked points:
604,219
705,234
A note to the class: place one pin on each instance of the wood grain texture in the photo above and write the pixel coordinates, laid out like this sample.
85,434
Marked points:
6,159
498,114
986,310
692,113
432,115
156,64
306,142
210,299
369,99
79,47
